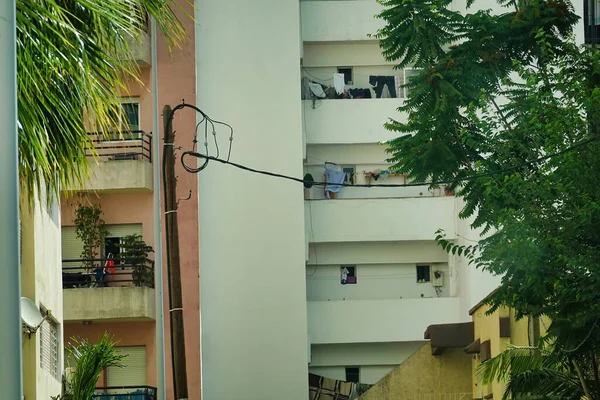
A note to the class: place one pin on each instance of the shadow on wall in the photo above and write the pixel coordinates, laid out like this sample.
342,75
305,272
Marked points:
425,376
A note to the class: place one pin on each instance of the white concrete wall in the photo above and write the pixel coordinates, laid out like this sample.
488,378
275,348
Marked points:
254,332
376,253
368,321
339,20
350,121
353,54
41,281
374,360
364,220
367,373
374,282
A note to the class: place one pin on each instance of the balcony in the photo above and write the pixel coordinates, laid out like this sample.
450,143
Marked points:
125,393
354,20
141,50
350,121
124,163
379,219
358,321
125,290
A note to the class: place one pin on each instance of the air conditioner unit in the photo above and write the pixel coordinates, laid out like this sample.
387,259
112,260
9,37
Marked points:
438,279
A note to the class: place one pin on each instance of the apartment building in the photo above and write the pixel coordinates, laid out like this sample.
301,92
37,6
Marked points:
293,281
297,83
41,304
123,303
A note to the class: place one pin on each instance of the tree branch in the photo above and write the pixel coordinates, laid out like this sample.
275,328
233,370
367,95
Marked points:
584,384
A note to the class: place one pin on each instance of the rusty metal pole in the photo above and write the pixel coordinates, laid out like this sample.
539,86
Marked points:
173,261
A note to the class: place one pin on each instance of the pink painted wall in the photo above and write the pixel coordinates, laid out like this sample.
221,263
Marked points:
176,81
126,334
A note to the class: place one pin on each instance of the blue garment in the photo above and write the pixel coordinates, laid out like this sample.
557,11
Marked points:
334,178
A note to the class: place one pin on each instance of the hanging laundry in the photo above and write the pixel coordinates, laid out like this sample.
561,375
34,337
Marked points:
317,90
338,82
379,82
344,276
334,179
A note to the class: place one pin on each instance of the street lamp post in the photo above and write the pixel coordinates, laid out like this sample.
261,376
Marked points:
11,380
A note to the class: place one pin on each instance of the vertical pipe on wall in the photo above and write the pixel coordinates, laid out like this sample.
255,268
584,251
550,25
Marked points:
158,270
11,378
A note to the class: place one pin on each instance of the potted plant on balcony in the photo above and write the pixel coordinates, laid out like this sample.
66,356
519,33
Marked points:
134,252
435,189
91,230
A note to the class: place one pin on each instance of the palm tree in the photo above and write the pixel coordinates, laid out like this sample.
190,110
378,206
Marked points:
73,60
535,373
91,360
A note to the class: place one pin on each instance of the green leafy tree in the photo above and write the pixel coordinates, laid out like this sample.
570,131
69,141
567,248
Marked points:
90,361
74,59
91,229
506,110
533,373
134,252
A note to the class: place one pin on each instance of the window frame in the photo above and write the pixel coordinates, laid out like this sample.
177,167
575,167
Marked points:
355,372
423,277
50,357
348,80
351,274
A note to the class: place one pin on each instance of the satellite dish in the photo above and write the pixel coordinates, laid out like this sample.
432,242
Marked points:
30,315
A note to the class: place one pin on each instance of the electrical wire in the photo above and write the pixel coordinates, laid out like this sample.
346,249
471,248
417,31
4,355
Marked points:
314,77
206,120
208,158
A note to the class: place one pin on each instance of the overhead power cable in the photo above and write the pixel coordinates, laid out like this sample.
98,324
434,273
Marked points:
308,183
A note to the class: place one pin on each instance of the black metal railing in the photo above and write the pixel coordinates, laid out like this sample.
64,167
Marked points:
124,145
105,272
125,393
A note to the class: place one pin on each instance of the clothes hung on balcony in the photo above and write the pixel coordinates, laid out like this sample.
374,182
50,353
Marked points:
334,176
379,82
317,90
338,82
360,93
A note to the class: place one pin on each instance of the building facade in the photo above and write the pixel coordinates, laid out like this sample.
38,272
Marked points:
294,281
42,339
123,302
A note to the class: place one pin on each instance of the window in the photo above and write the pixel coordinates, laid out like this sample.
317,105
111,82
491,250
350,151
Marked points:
131,114
591,19
347,71
49,345
348,274
133,373
353,374
349,175
423,273
129,117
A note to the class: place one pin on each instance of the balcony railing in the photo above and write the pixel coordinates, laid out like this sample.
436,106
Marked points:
125,145
125,393
103,272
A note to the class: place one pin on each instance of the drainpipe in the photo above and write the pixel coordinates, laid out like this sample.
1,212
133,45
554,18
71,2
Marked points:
158,257
11,369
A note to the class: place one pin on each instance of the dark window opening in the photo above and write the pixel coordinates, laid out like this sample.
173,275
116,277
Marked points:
349,175
591,21
423,273
347,71
348,274
352,374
